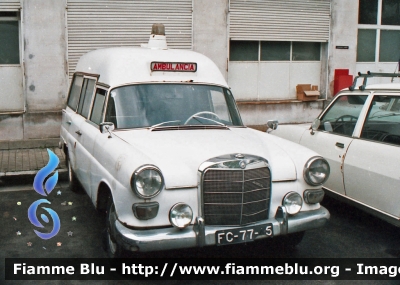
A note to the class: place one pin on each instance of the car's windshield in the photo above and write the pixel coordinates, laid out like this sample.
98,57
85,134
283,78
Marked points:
156,105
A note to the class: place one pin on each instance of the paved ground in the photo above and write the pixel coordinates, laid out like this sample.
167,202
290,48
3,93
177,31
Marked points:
23,162
349,233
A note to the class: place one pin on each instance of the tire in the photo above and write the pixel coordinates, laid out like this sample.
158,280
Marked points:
114,250
74,184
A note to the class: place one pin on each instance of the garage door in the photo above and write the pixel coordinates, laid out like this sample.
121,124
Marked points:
271,20
94,24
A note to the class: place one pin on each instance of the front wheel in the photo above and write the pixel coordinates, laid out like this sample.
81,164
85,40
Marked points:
114,250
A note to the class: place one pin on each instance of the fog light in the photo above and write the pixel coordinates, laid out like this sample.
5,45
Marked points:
180,215
292,202
313,196
145,211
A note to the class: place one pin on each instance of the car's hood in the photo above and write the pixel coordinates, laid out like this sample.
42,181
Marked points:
179,153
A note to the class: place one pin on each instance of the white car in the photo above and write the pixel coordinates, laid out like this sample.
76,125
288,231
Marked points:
154,137
359,135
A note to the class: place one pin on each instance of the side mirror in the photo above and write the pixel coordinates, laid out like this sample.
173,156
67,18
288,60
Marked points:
315,125
272,124
328,127
106,127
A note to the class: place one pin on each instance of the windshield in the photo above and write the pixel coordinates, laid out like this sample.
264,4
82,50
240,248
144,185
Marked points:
156,105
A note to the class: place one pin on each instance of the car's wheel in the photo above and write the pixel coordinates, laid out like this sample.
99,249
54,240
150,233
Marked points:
114,250
74,184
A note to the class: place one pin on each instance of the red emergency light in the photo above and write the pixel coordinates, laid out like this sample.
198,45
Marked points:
173,66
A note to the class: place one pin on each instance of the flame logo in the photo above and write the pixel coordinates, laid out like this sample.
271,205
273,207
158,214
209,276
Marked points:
44,172
49,185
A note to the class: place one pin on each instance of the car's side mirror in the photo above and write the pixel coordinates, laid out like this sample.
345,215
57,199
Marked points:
272,124
328,127
106,127
315,125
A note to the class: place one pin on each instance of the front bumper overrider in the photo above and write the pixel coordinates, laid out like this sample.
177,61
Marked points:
199,235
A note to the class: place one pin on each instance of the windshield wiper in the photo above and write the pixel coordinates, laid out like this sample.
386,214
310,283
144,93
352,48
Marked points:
219,123
163,123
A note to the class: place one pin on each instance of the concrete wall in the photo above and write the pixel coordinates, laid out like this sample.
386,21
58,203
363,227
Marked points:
45,66
210,31
290,112
344,21
45,71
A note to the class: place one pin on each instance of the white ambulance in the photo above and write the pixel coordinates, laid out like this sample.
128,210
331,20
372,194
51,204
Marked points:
154,137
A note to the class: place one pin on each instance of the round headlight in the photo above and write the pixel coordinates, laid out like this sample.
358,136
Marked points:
292,202
147,181
180,215
316,171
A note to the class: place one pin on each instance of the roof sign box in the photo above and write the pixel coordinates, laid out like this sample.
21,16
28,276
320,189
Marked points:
173,66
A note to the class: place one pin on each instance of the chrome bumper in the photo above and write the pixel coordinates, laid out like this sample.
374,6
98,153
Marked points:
199,235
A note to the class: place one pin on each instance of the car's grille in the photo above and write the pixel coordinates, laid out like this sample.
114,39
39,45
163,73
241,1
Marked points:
236,197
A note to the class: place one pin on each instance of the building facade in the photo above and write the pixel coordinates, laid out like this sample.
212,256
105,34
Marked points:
264,48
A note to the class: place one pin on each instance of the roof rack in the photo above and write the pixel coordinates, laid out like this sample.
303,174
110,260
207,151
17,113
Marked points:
370,74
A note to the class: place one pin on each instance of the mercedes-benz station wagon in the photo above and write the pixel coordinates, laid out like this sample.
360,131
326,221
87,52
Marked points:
154,137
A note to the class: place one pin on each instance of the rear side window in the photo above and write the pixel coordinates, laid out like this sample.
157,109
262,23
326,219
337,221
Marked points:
75,91
86,97
383,121
98,105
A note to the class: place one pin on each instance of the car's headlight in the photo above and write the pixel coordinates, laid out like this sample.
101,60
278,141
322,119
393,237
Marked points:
147,181
180,215
292,202
316,171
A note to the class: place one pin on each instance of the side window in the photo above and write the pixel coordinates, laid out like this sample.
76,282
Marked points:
11,78
98,104
86,96
383,120
342,116
75,91
9,34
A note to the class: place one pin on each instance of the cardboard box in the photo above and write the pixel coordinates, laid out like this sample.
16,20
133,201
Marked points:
307,92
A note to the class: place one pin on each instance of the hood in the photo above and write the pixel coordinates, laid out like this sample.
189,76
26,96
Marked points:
179,153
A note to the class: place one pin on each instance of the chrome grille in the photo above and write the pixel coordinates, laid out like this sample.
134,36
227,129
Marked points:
236,197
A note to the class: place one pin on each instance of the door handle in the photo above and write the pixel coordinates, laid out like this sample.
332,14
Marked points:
79,132
341,145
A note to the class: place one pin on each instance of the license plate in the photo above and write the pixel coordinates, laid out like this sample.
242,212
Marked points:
240,235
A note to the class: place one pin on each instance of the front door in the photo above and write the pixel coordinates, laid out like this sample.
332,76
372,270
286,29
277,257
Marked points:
334,136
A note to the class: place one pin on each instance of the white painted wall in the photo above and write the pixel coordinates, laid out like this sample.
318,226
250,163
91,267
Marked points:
45,75
344,21
46,79
45,54
11,95
210,31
